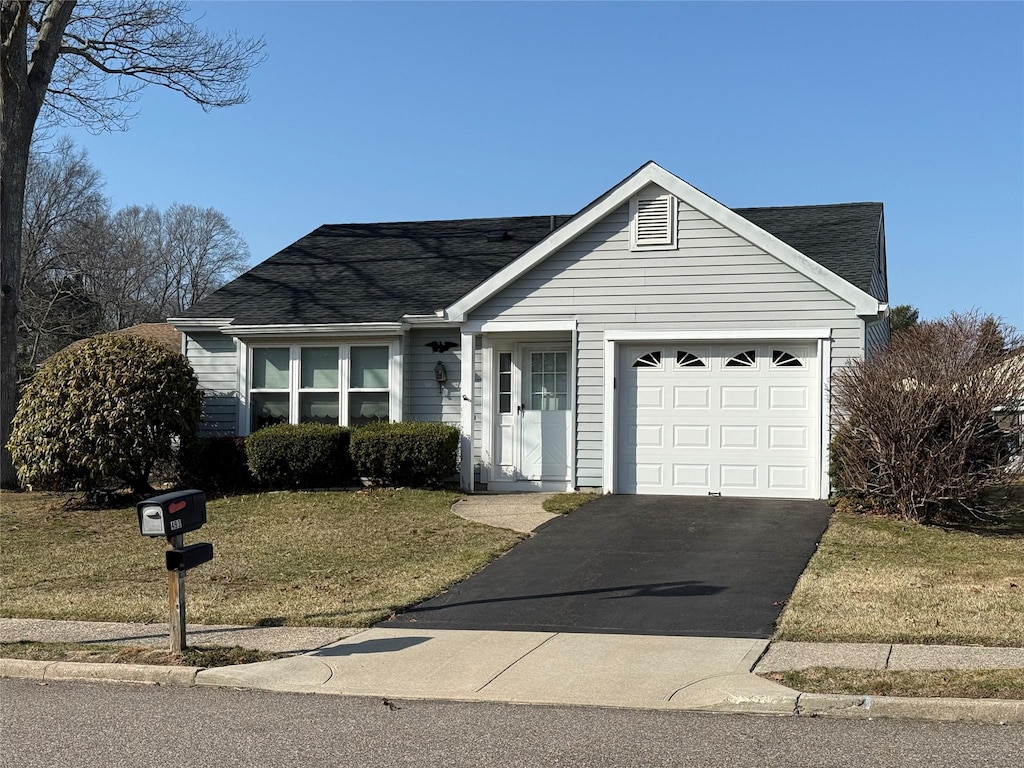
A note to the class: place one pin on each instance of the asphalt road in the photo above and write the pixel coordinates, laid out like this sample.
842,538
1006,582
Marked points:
95,725
650,565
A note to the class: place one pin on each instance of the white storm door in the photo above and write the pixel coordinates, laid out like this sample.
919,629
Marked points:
543,413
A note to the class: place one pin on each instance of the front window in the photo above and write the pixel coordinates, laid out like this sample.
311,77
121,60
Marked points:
300,384
269,396
368,398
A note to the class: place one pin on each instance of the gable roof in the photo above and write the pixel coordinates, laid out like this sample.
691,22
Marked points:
372,273
652,173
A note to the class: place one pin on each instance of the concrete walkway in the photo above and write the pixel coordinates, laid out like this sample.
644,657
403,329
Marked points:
523,512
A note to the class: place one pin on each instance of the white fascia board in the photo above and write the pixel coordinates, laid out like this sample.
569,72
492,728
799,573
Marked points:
652,173
187,324
717,334
520,326
428,321
318,329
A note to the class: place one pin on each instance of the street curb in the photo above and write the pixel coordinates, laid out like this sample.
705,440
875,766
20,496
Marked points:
991,711
151,674
994,711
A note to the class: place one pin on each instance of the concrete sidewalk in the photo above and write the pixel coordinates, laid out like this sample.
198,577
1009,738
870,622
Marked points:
523,512
635,671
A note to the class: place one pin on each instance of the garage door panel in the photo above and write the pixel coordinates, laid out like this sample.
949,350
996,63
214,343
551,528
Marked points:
692,477
788,398
691,436
739,398
741,430
691,398
741,436
782,438
788,478
741,477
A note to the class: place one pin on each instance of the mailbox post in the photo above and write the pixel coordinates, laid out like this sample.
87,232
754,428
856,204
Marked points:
171,516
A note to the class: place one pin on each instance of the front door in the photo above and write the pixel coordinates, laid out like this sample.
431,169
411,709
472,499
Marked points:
533,420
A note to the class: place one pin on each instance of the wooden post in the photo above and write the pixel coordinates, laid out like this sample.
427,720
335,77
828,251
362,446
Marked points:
176,601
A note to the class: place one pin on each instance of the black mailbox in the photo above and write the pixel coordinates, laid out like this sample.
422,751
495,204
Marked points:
189,557
172,513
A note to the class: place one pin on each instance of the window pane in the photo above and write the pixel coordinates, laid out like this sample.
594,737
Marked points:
504,403
505,362
270,368
268,408
319,407
364,407
370,367
319,367
561,361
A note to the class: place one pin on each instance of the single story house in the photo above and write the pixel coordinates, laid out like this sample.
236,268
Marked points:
656,342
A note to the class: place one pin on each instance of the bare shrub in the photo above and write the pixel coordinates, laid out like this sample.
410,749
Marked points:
928,424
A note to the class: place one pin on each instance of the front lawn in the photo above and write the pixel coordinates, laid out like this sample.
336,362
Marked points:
193,656
879,580
964,684
327,559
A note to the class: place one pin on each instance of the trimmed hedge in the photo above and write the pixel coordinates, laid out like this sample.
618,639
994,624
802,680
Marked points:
300,456
409,453
216,465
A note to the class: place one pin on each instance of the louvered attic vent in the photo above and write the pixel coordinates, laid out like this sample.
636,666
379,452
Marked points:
653,221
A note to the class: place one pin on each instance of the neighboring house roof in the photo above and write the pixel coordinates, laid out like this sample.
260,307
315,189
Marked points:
164,333
365,273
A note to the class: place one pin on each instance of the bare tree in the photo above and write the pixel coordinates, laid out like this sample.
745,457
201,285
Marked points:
928,424
202,251
63,193
84,63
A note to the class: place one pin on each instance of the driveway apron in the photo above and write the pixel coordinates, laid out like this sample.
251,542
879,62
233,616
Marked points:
653,565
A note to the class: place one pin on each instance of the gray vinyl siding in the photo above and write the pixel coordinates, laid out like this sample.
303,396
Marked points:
876,336
214,359
877,333
423,400
715,281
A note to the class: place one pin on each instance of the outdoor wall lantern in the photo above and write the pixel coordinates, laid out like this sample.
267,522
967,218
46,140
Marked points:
440,375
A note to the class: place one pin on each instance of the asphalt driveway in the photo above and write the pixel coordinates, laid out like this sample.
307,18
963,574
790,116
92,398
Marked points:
641,565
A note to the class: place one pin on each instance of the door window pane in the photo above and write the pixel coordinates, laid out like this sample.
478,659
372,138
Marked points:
268,408
319,407
548,386
319,368
270,368
505,382
364,407
370,367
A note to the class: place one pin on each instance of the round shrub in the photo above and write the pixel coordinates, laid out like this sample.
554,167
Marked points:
300,456
102,414
411,453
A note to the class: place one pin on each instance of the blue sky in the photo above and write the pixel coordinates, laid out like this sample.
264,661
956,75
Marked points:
411,111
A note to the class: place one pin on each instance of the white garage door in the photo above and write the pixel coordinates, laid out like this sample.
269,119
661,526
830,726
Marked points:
740,419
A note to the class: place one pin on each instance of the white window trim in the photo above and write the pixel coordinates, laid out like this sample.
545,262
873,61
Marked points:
668,244
395,376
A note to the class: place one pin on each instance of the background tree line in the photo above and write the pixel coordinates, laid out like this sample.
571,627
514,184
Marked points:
88,268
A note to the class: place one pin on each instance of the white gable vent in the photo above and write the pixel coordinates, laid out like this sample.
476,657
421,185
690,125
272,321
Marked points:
653,222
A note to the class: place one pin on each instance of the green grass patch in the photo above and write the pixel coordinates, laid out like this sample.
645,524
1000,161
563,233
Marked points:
875,579
564,503
967,684
199,656
327,559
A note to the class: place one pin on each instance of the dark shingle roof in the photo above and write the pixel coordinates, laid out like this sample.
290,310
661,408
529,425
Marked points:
357,273
842,238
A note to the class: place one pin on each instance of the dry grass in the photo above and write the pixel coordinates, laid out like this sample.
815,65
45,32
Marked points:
879,580
330,559
968,684
564,503
199,656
